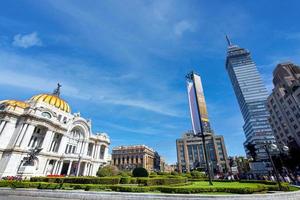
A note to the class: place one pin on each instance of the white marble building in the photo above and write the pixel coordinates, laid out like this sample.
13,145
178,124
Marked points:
68,145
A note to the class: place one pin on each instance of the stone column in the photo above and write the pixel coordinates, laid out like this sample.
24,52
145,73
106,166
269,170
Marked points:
21,134
47,140
144,162
27,136
61,163
46,167
63,144
2,126
84,148
78,168
97,151
93,150
87,169
69,169
55,167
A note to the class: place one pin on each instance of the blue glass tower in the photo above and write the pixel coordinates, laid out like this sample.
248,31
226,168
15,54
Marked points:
251,95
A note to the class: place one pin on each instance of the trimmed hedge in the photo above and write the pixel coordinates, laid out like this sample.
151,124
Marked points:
161,181
79,180
193,190
163,189
169,180
265,182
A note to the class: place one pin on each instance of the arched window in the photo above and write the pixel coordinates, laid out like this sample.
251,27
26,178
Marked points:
75,142
47,115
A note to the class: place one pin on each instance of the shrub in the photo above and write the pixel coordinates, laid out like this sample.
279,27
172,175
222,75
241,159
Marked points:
174,173
198,175
140,172
125,173
125,180
108,170
52,186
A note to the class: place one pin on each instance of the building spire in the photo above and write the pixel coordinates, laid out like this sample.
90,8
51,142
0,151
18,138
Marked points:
228,40
56,92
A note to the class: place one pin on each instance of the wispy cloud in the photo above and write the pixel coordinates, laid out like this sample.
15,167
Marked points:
183,26
104,93
27,40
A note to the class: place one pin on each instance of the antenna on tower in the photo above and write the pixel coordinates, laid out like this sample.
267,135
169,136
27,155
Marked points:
228,40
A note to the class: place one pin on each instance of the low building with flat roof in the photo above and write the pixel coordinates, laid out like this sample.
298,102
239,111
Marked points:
130,157
190,154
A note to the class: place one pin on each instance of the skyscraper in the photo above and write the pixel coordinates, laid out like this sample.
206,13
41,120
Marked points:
251,95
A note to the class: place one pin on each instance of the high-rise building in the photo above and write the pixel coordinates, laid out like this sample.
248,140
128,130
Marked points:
283,105
251,95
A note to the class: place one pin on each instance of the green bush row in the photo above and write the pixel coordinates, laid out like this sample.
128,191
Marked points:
265,182
193,190
114,180
79,180
124,188
161,181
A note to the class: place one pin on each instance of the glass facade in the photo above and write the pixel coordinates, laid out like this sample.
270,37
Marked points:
251,95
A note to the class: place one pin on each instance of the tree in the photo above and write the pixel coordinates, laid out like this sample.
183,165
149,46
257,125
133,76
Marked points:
252,150
140,172
108,170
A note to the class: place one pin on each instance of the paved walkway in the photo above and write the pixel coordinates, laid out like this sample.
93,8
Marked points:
34,194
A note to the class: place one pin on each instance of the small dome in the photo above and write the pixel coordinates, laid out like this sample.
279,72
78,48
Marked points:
14,103
53,100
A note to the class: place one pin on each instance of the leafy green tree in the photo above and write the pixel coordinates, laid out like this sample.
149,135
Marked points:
140,172
108,170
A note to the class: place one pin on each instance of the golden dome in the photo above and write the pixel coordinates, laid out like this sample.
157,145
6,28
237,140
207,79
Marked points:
53,100
14,103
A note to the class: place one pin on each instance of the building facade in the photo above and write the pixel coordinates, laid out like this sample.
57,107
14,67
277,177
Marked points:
190,153
68,146
252,97
283,105
130,157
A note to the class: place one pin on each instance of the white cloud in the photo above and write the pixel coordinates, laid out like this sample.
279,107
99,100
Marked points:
42,72
27,41
182,27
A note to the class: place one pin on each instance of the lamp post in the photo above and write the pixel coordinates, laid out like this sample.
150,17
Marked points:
267,146
203,133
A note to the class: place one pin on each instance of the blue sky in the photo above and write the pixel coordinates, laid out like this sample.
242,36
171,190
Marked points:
123,63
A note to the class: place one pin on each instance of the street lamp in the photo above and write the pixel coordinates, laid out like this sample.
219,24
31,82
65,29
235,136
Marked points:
271,146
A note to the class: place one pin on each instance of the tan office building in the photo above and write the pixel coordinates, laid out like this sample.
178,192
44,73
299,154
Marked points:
130,157
190,154
283,105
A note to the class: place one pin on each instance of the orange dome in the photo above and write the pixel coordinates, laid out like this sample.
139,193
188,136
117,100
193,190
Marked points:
53,100
14,103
